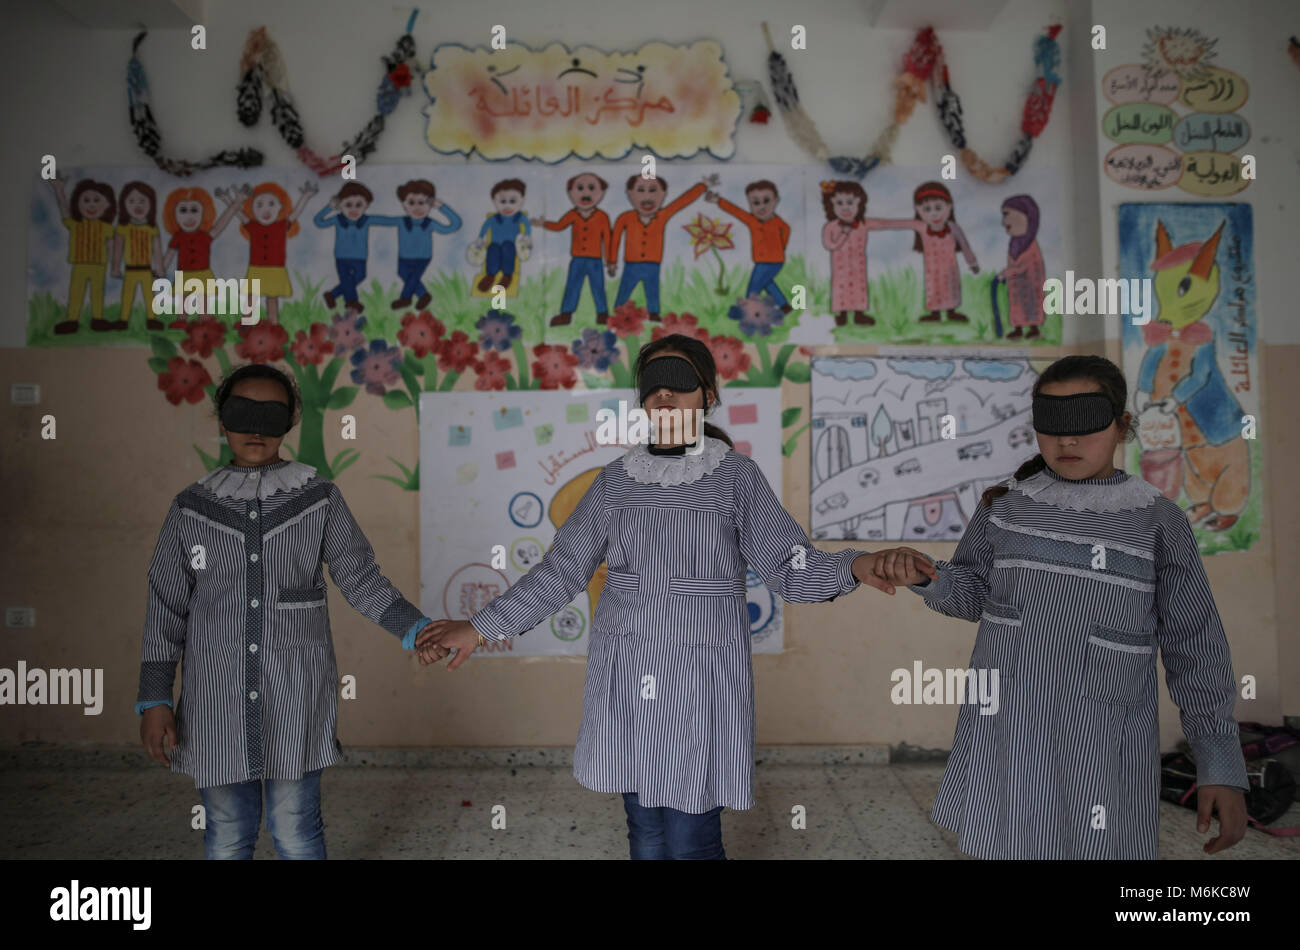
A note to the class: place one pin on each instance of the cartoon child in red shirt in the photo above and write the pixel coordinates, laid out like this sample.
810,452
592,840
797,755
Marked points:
588,244
190,217
268,222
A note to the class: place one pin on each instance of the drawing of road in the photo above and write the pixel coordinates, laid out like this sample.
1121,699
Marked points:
941,468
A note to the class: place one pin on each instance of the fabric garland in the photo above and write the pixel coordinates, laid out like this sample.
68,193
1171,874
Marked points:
1038,109
263,73
909,89
149,137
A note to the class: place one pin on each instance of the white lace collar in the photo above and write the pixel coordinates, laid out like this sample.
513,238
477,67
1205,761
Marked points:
237,481
1119,492
649,469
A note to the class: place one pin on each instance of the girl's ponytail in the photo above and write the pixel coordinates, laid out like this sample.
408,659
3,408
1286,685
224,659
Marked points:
711,430
1030,468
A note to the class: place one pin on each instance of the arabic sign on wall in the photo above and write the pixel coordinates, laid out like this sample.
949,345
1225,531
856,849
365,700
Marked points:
1174,118
555,103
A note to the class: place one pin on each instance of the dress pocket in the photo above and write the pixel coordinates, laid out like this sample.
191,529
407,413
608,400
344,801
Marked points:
997,645
1117,665
300,619
300,598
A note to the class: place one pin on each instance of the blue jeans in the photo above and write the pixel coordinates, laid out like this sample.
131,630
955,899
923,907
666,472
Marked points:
590,269
351,272
410,270
500,258
234,818
666,834
636,273
764,278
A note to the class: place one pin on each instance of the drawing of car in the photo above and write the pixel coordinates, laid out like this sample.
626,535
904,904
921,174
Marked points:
838,500
1019,436
869,477
1004,412
875,534
975,450
908,467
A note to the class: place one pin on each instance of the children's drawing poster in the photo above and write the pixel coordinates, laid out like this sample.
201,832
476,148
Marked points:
903,258
548,104
1175,117
1193,370
501,470
903,446
590,257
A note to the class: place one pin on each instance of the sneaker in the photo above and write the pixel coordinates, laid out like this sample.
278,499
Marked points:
423,301
561,319
654,318
955,317
786,308
153,324
1033,332
602,318
98,324
402,304
486,283
67,326
506,279
1016,334
861,316
931,317
842,318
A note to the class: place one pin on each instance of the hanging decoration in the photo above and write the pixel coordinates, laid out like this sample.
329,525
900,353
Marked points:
262,68
909,89
1293,50
149,137
762,110
1038,109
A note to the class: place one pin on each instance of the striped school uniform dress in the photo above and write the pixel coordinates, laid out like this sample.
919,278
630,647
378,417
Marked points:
1074,585
259,682
668,709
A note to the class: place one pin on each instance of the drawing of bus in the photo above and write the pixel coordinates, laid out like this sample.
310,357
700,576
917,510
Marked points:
1019,436
907,468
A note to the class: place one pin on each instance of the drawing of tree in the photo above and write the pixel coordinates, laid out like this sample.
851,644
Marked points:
882,427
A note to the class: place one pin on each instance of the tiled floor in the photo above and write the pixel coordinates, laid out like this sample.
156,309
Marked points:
98,805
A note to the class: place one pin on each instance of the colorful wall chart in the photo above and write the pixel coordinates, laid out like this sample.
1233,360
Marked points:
1175,118
1193,371
880,466
505,470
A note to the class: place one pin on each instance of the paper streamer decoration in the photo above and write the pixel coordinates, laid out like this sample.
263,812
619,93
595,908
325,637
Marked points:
909,89
1038,109
149,137
262,66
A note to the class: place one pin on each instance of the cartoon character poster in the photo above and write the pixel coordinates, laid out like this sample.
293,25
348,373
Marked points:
511,471
1193,369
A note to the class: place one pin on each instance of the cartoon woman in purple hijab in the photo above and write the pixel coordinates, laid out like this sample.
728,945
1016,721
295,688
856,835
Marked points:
1024,273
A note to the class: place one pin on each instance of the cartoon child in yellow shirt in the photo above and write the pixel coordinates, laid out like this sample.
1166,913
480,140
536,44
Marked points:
88,216
137,240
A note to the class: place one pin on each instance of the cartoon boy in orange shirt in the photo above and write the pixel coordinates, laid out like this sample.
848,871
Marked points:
768,237
644,226
587,245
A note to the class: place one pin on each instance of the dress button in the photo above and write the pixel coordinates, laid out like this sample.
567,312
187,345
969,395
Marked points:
252,514
252,557
252,648
254,474
253,695
254,602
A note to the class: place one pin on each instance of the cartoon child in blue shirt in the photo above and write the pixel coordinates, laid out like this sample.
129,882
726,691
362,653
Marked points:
346,213
415,231
502,232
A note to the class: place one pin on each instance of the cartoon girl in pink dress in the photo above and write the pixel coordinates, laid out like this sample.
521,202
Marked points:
938,237
845,236
1024,273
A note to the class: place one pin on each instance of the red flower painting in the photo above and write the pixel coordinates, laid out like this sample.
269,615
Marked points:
183,380
456,353
262,342
729,355
201,336
314,347
491,370
421,333
553,368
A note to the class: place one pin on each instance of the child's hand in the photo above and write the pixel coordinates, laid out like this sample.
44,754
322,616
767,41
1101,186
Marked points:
906,566
446,635
537,222
156,723
1232,815
334,203
610,267
711,197
867,569
478,244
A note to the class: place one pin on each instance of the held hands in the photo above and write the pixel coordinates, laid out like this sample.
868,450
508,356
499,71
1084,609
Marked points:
712,197
893,566
610,267
1231,805
157,723
439,638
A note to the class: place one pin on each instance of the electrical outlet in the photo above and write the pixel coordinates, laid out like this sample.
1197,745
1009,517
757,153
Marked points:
25,394
20,617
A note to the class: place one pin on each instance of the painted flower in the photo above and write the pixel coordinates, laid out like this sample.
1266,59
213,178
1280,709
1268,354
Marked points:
756,315
201,336
346,333
422,332
183,380
729,355
627,319
497,330
456,353
377,367
312,348
709,233
553,368
491,371
596,350
685,324
262,342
